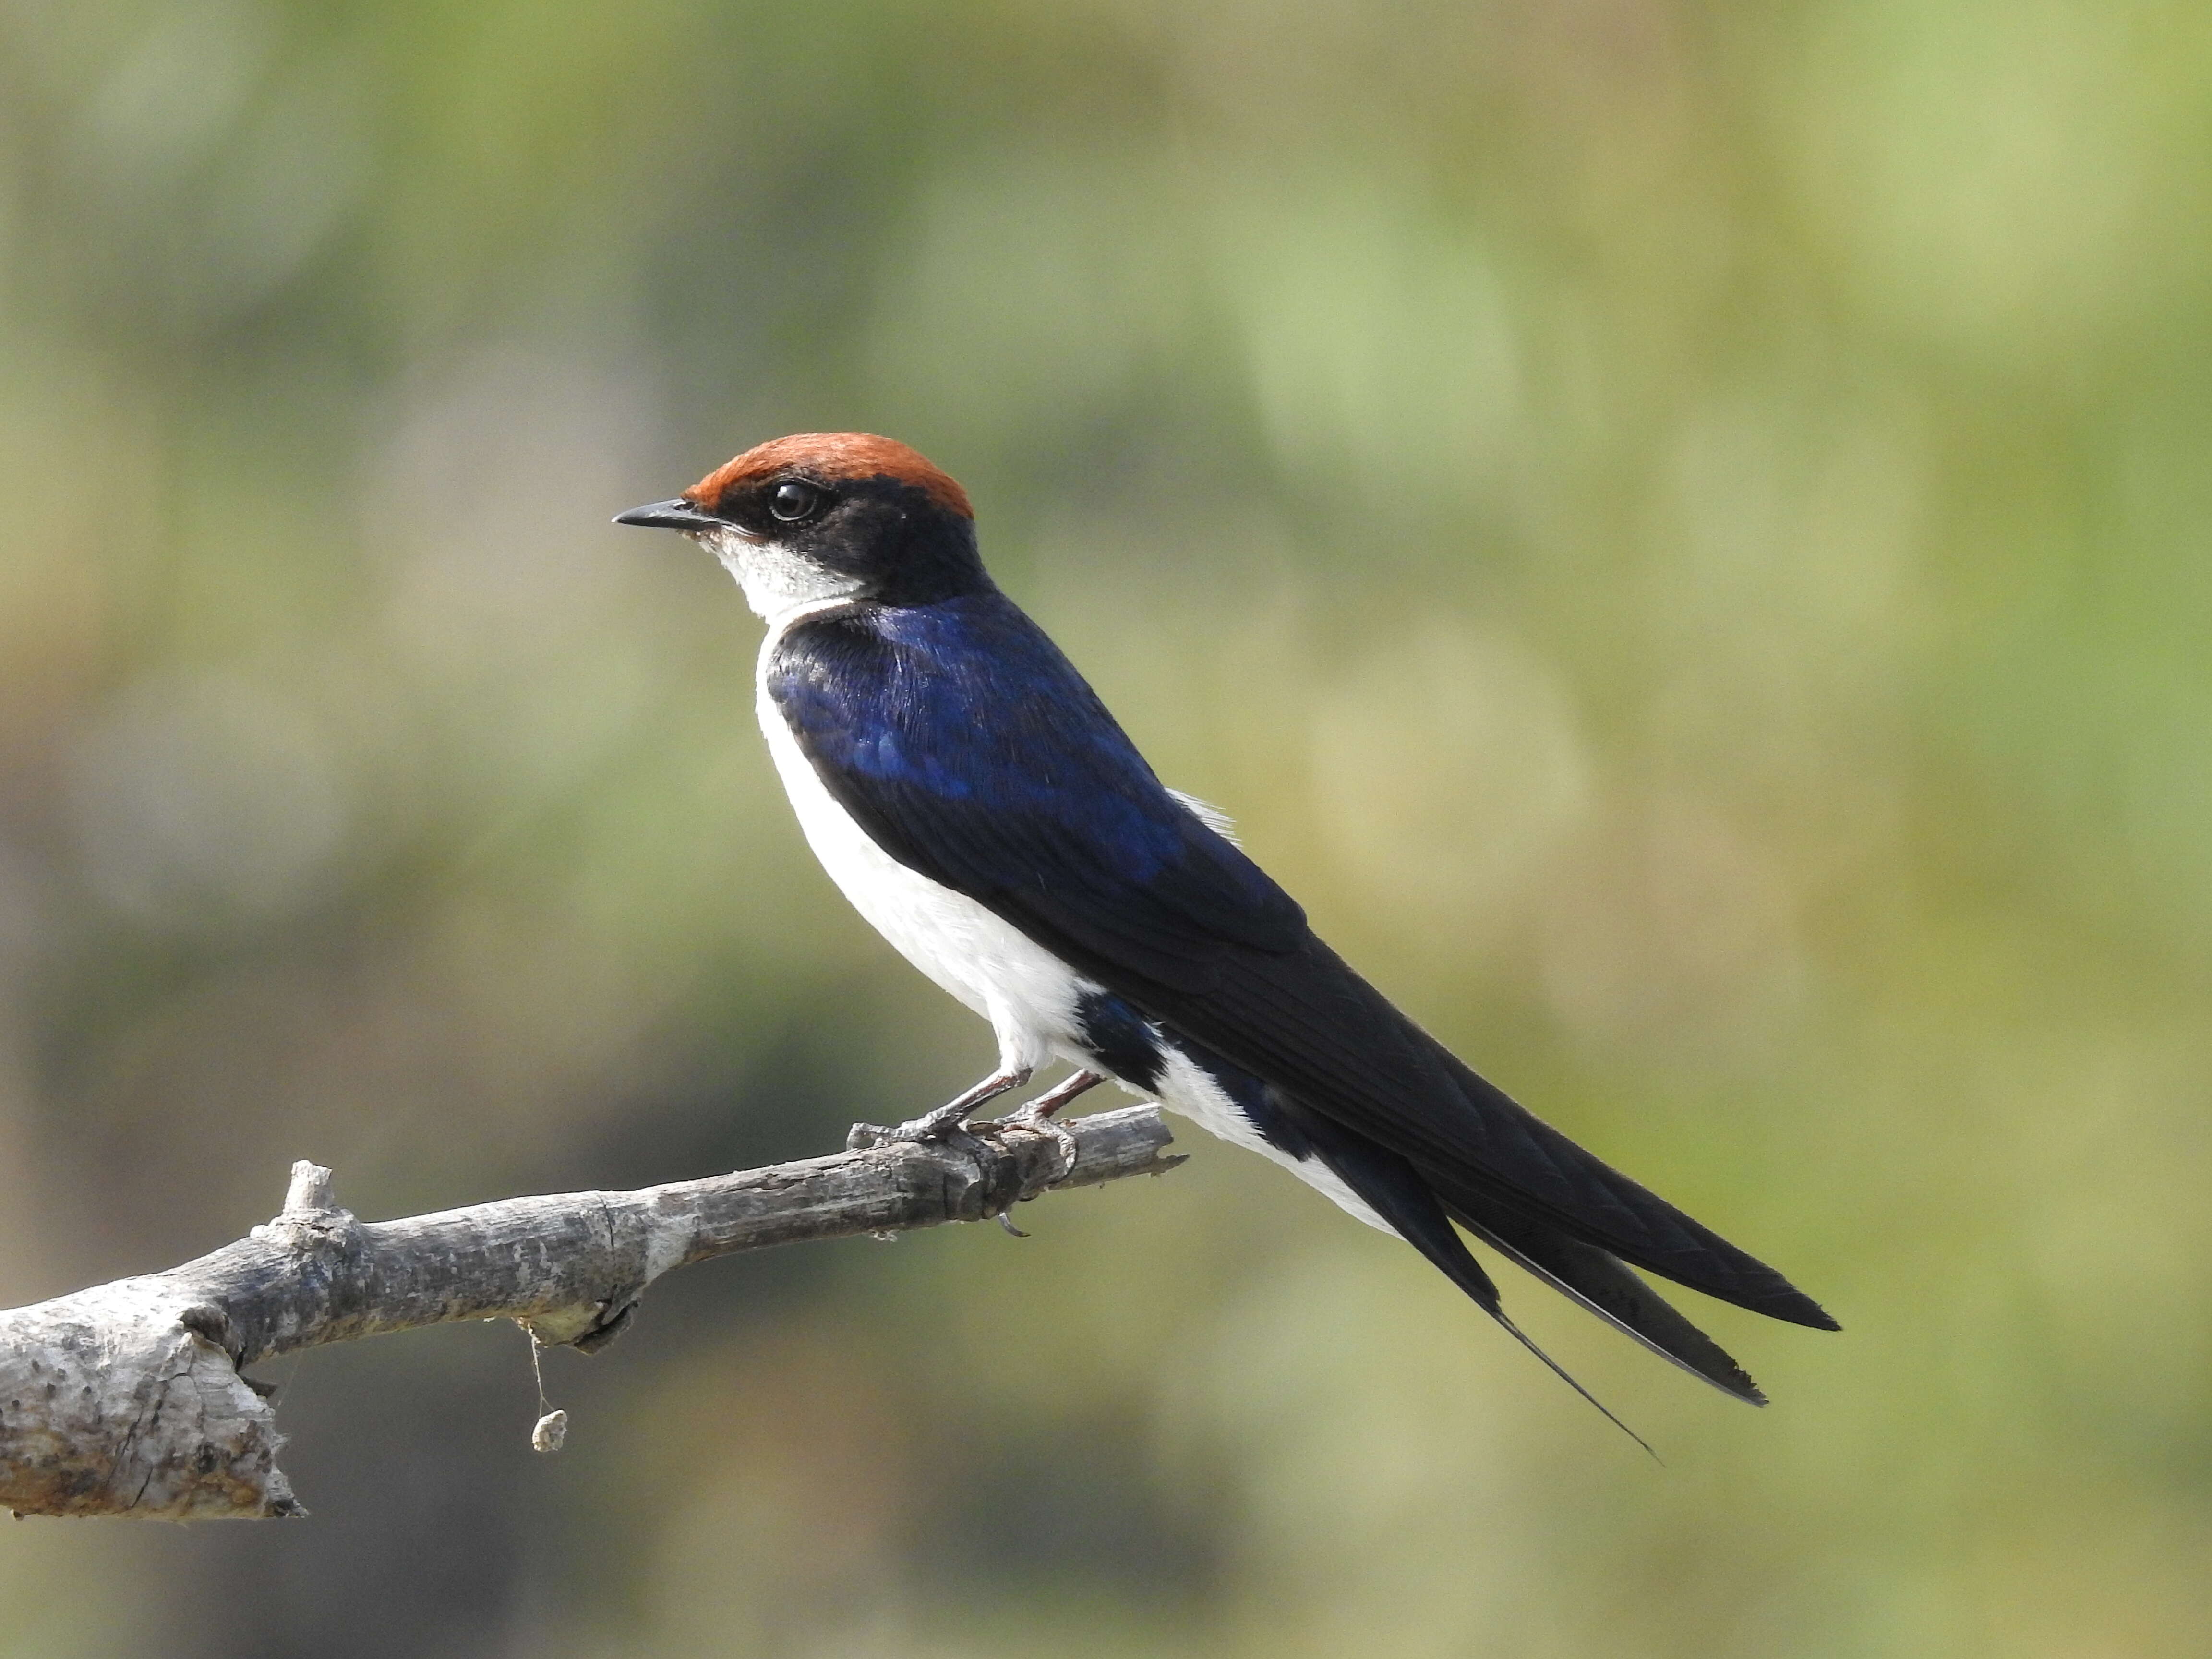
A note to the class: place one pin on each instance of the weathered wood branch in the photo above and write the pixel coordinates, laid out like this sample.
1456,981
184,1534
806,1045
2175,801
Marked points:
129,1399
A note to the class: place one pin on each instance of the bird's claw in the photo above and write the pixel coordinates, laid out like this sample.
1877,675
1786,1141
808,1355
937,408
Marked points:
1036,1119
947,1124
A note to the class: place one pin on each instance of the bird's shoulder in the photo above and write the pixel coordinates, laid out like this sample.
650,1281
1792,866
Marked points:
966,699
971,750
934,671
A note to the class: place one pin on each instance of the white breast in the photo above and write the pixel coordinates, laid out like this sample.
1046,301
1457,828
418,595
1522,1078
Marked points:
1027,994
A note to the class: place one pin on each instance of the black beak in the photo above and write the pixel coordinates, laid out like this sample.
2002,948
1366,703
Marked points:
677,514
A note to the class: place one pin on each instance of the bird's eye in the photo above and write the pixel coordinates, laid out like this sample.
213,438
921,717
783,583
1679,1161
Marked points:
793,501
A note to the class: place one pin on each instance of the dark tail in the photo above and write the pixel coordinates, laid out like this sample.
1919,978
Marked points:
1605,1286
1584,1199
1394,1190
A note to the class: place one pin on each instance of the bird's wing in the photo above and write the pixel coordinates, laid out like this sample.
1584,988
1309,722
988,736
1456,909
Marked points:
971,749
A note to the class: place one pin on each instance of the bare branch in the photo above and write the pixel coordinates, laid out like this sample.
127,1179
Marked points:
127,1399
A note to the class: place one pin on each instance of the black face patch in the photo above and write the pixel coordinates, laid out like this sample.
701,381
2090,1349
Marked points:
890,535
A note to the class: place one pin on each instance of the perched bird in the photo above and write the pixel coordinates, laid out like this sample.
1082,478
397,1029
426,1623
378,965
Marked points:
974,800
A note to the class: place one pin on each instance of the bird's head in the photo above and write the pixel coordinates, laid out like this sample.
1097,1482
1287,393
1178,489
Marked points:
824,516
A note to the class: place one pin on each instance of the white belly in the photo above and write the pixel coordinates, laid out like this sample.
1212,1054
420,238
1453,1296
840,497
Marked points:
1027,994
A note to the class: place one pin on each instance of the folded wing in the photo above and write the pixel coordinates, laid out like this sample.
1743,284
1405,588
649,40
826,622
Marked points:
972,751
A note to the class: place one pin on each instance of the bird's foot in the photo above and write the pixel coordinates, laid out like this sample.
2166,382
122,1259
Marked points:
948,1123
1036,1118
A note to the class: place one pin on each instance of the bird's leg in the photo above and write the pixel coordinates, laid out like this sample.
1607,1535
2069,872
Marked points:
1036,1115
945,1123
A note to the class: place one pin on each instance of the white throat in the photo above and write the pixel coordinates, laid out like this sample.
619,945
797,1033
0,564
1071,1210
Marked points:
778,583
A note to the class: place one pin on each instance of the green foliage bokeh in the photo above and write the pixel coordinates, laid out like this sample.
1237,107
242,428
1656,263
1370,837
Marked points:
1678,530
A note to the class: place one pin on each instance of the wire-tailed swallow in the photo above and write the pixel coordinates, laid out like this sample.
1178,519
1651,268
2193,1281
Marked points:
974,800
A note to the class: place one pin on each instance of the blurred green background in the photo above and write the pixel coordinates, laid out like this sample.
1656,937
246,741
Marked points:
1679,530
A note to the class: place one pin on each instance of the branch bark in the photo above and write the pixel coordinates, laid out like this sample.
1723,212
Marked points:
130,1399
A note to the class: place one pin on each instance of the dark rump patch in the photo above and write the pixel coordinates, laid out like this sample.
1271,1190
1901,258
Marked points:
833,457
1120,1038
